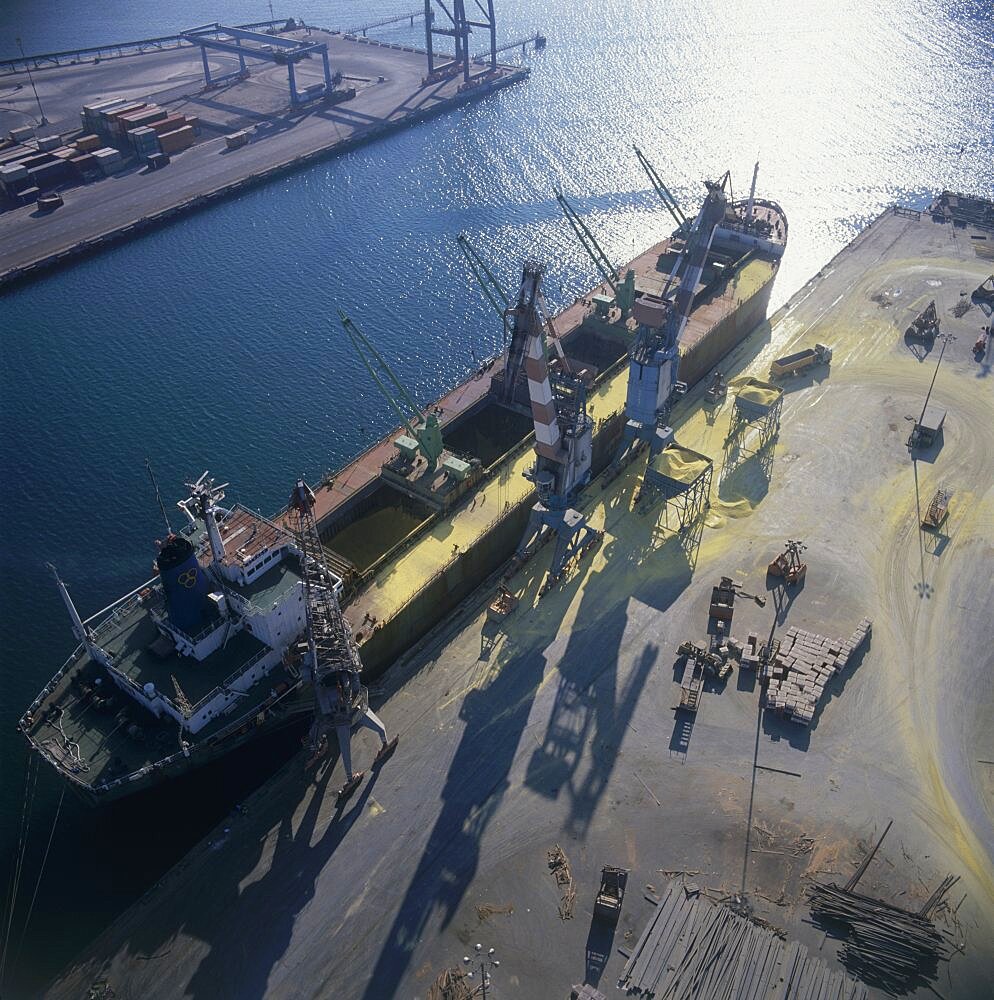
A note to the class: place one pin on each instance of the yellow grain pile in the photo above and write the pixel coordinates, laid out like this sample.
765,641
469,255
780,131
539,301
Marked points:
680,464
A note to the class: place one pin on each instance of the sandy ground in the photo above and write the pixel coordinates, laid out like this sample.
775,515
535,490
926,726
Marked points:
559,728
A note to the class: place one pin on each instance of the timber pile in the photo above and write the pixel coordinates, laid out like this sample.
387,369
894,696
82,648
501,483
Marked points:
451,984
796,677
563,874
886,945
692,948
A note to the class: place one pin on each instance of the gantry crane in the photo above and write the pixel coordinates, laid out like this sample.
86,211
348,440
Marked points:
423,430
331,661
563,433
623,290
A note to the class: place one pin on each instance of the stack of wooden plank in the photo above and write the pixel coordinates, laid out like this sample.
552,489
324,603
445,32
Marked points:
693,948
886,945
796,677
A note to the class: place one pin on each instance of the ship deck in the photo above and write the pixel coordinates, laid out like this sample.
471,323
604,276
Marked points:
558,726
402,575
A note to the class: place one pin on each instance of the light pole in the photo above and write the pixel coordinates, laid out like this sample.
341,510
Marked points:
487,963
31,80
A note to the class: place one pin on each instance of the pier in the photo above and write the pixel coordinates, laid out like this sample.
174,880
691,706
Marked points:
557,732
381,88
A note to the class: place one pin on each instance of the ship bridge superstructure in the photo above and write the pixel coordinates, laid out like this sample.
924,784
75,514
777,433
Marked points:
206,642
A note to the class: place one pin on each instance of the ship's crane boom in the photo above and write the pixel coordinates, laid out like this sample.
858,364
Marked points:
331,661
489,283
423,428
654,354
622,290
672,206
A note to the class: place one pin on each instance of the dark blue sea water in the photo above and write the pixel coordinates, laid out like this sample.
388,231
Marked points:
214,343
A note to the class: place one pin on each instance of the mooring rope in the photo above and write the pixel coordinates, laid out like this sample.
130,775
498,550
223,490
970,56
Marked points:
30,784
41,872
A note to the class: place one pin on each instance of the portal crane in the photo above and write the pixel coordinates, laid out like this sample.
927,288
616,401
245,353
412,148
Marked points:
622,290
563,432
425,434
654,355
672,206
331,662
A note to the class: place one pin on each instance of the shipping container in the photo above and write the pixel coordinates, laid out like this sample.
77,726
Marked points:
13,172
49,173
37,160
194,122
49,142
88,143
174,142
27,195
85,163
144,117
65,152
99,106
109,122
21,134
169,124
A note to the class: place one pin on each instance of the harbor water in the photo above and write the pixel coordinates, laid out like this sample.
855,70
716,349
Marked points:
214,342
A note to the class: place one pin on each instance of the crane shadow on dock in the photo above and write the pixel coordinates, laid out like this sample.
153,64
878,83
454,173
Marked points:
587,719
246,951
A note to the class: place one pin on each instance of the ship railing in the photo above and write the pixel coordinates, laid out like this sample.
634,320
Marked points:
230,679
73,660
163,619
120,612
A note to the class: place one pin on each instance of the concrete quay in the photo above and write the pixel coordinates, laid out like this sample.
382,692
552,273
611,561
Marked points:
559,726
390,94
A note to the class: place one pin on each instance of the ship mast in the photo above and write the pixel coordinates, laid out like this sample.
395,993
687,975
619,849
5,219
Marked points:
752,195
83,633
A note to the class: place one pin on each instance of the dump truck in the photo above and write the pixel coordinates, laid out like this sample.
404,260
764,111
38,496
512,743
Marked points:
611,894
792,364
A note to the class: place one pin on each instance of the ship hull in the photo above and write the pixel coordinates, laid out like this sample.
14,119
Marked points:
437,596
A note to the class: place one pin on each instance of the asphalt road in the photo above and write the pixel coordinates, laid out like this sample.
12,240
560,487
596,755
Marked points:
559,728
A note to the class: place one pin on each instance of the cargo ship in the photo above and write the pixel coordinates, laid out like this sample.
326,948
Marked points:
205,656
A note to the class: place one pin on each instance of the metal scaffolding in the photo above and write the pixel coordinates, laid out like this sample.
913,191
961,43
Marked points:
687,501
758,406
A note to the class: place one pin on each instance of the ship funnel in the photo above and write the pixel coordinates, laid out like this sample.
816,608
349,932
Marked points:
184,583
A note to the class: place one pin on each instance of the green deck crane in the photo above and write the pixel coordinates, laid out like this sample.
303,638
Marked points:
424,434
682,222
623,290
489,283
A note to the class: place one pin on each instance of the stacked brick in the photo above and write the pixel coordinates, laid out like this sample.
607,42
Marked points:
797,676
